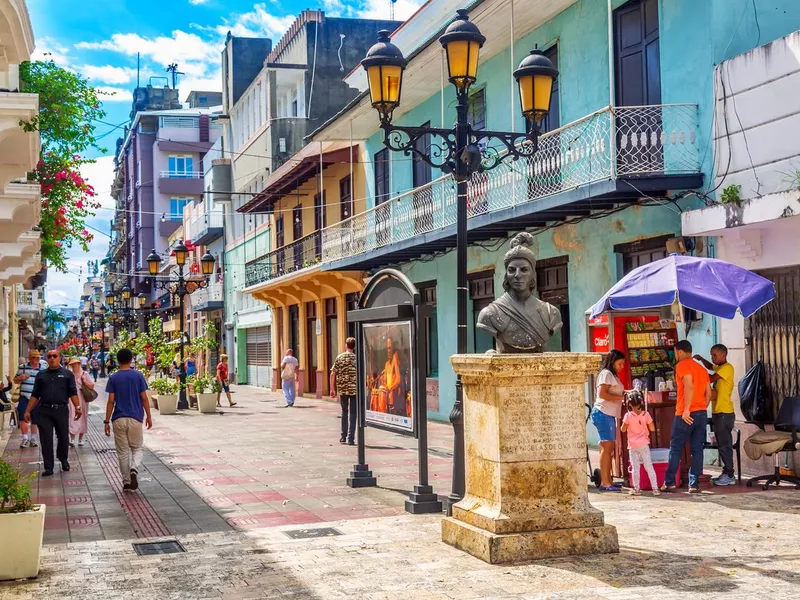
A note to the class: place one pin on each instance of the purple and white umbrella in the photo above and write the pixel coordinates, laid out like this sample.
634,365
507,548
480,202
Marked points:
706,285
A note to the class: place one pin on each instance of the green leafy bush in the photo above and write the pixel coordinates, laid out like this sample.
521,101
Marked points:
203,384
15,489
165,386
216,385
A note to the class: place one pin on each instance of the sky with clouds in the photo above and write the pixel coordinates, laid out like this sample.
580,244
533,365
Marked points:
101,41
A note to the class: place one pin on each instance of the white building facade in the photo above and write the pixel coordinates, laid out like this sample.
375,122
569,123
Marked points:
756,223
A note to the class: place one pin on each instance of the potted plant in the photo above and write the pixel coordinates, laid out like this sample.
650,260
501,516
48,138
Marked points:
206,397
21,521
167,390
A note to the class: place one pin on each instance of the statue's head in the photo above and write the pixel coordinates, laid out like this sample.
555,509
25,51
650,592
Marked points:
520,263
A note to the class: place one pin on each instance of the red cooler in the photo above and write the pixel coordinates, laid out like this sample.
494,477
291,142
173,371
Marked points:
660,457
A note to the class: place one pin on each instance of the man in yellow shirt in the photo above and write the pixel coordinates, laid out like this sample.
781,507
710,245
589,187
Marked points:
723,416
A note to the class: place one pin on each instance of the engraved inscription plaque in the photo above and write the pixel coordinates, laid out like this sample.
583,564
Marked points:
539,423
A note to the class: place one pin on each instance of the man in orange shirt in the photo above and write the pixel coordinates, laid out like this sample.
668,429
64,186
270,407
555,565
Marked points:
694,394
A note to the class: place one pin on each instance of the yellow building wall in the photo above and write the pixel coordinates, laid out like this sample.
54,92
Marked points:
304,196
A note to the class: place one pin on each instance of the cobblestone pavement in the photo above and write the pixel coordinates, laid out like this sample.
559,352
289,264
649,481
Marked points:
674,550
229,486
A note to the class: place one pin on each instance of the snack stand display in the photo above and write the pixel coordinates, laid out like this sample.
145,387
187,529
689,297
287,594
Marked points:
648,340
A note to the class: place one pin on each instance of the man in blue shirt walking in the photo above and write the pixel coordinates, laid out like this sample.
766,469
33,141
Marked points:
127,407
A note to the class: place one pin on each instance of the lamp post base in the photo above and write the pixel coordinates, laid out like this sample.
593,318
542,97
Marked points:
183,403
361,476
423,501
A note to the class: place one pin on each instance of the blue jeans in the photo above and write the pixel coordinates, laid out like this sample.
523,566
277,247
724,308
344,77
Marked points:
289,390
696,435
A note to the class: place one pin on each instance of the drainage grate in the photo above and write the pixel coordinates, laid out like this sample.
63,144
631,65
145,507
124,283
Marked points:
151,548
302,534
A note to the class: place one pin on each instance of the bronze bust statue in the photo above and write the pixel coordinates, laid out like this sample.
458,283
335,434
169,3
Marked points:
519,321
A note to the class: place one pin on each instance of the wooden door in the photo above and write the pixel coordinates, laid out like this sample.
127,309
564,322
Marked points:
297,233
638,84
319,208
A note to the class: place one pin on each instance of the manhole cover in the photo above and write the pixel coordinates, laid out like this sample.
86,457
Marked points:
302,534
166,547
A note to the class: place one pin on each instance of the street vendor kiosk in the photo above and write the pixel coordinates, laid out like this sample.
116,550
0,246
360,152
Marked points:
647,338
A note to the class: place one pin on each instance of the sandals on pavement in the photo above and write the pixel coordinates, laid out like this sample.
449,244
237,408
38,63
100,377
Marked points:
609,488
694,490
668,488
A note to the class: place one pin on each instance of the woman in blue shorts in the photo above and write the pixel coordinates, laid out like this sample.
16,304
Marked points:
607,409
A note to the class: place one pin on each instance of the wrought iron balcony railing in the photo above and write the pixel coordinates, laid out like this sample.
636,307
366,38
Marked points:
300,254
612,143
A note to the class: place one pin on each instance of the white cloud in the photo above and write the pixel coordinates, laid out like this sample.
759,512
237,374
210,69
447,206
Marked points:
66,287
108,73
257,23
181,47
197,2
380,9
49,49
114,94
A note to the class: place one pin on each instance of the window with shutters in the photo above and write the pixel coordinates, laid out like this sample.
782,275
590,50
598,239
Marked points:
428,294
642,252
481,292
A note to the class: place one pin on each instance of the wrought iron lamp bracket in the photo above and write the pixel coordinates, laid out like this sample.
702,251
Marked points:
515,145
440,155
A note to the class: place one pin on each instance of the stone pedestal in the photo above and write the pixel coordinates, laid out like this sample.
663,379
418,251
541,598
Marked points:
525,439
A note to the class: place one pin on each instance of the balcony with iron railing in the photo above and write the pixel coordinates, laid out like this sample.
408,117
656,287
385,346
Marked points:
208,298
28,302
291,258
206,227
613,156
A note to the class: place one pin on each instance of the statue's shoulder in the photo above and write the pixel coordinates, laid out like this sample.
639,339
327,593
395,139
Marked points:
493,319
553,314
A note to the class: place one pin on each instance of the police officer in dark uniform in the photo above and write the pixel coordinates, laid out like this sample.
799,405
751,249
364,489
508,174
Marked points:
53,390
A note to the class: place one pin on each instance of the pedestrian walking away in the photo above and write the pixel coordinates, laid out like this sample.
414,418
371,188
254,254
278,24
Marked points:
343,383
723,417
694,394
25,377
222,377
289,366
53,389
126,409
94,366
79,426
84,362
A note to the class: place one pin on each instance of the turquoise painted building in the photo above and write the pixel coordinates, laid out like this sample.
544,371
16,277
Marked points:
628,150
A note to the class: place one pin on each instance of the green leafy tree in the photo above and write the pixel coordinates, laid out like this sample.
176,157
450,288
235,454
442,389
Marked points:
52,322
69,107
205,343
159,344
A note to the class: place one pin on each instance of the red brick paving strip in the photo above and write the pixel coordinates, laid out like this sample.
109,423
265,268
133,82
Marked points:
140,513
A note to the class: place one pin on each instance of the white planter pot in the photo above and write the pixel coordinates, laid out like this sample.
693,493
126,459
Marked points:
207,403
27,531
168,404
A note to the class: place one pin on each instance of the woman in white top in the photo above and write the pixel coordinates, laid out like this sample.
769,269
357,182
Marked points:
607,409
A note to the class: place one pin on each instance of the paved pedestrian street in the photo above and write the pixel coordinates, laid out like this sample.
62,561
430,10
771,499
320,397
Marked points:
242,490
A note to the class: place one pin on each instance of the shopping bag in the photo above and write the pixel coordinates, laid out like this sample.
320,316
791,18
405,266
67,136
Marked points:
753,394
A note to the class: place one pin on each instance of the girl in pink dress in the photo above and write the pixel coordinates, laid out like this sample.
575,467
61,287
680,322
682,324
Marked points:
79,427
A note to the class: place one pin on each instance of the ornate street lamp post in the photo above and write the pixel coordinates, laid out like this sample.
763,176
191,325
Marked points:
458,152
179,287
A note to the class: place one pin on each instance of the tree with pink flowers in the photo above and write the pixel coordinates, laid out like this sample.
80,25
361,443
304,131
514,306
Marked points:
69,107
